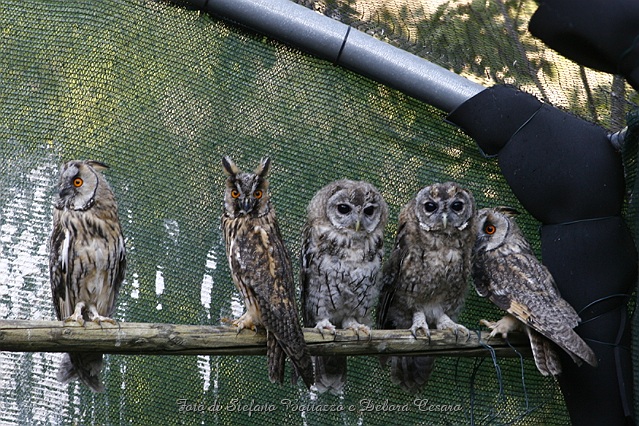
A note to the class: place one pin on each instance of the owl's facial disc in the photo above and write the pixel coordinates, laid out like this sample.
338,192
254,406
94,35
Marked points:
77,187
250,195
245,202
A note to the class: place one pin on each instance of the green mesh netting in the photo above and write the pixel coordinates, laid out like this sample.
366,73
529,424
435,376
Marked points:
160,94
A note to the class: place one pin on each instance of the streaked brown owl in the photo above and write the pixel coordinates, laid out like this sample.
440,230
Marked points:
342,249
87,259
506,271
261,270
426,277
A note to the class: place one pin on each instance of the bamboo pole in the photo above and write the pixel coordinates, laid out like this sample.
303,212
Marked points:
176,339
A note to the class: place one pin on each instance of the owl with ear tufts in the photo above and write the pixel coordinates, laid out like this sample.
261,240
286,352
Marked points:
426,277
506,271
261,270
342,249
86,260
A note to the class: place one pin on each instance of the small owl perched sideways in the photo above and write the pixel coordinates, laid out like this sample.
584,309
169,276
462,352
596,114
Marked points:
506,271
86,261
261,270
426,277
342,249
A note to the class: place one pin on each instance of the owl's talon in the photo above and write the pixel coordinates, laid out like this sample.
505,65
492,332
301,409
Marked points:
503,326
357,328
325,325
492,326
423,328
245,321
362,329
239,324
75,318
460,329
445,323
99,319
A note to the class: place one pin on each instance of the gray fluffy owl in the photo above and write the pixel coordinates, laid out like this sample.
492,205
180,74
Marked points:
86,260
261,270
342,249
506,271
425,280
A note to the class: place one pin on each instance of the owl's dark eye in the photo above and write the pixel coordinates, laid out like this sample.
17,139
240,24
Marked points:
368,211
457,206
490,229
430,206
77,182
235,193
257,194
344,208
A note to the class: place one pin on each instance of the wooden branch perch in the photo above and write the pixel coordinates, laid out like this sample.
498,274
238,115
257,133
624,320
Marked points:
171,339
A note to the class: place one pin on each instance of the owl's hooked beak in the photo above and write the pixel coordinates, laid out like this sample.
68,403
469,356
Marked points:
66,191
246,205
445,219
358,223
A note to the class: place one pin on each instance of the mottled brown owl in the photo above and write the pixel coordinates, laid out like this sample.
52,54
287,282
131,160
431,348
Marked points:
86,261
426,278
506,271
261,270
342,249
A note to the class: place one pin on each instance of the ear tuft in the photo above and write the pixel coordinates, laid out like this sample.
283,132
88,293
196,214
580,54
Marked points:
97,165
264,167
229,166
508,211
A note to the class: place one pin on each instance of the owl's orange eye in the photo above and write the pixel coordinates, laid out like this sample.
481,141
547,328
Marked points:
257,194
490,229
77,182
235,193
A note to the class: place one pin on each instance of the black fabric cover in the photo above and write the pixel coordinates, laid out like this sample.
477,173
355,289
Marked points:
567,174
600,34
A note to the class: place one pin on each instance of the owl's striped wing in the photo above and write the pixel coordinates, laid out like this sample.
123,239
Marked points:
263,273
307,258
390,276
390,273
523,287
58,270
73,260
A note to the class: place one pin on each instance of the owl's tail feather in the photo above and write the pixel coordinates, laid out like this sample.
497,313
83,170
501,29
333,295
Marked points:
303,367
544,353
276,353
275,359
330,374
411,373
85,366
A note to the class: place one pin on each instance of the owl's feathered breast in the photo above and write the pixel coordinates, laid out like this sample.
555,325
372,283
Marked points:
425,268
339,271
260,265
87,260
432,262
